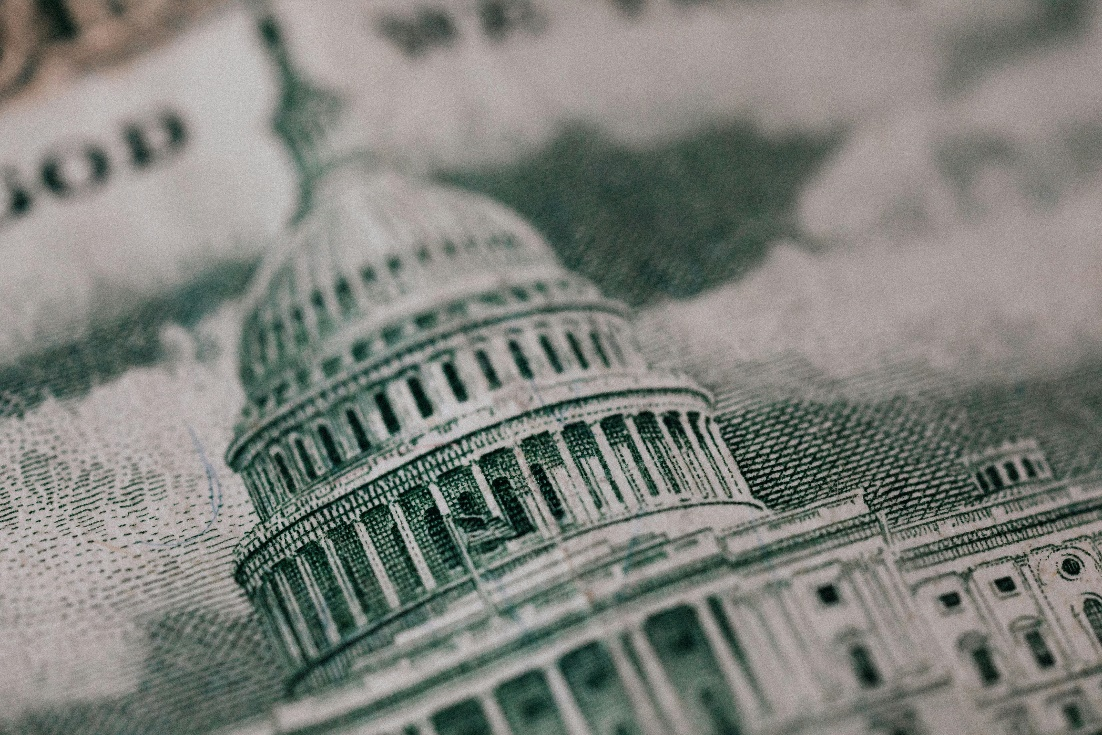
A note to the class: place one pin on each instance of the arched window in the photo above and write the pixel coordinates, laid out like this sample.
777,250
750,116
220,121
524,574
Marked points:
995,478
864,668
298,320
1030,470
1092,609
345,299
615,345
284,470
357,428
976,648
1038,646
576,348
332,452
322,313
521,360
466,504
552,356
1011,471
304,457
280,342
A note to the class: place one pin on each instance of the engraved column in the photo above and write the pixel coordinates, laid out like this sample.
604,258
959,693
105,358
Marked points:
298,621
673,455
725,456
664,691
412,547
343,582
499,725
701,457
320,603
654,721
390,592
484,488
648,458
580,491
613,462
737,678
572,716
537,504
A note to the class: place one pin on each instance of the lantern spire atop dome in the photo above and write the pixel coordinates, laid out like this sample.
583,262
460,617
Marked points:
306,113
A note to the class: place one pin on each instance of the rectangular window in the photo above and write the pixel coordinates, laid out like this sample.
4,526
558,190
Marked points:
487,369
420,398
454,382
357,428
529,705
465,718
521,360
828,594
576,348
985,665
949,600
386,411
552,356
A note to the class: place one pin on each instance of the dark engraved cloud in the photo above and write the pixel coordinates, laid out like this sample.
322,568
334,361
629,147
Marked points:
667,221
113,347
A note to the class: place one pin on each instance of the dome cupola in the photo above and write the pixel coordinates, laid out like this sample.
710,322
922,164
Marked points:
368,269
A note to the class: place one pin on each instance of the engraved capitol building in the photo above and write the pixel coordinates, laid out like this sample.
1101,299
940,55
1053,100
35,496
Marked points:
483,513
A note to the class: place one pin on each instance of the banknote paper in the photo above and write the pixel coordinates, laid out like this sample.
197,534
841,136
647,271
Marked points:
588,367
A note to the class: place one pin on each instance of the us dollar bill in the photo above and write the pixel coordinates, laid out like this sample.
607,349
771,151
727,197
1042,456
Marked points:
591,367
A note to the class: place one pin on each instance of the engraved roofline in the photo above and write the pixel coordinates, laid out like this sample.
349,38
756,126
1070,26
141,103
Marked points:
1000,450
1066,506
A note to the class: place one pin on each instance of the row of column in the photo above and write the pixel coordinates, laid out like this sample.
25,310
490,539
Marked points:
682,670
675,672
437,390
428,535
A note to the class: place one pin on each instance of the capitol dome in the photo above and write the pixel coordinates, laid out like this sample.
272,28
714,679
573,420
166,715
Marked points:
377,249
432,397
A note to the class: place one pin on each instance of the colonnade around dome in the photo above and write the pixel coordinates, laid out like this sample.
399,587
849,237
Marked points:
386,550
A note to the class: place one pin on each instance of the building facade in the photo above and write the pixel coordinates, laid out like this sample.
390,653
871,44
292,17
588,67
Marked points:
482,512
